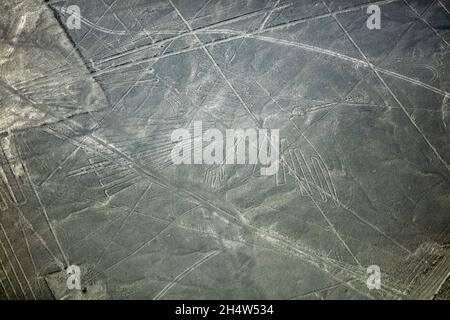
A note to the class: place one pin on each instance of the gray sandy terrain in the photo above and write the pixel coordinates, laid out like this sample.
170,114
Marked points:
86,177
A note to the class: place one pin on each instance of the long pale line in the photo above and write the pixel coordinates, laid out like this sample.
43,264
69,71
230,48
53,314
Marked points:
47,219
185,273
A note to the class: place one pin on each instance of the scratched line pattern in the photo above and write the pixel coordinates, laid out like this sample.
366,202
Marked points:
364,172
